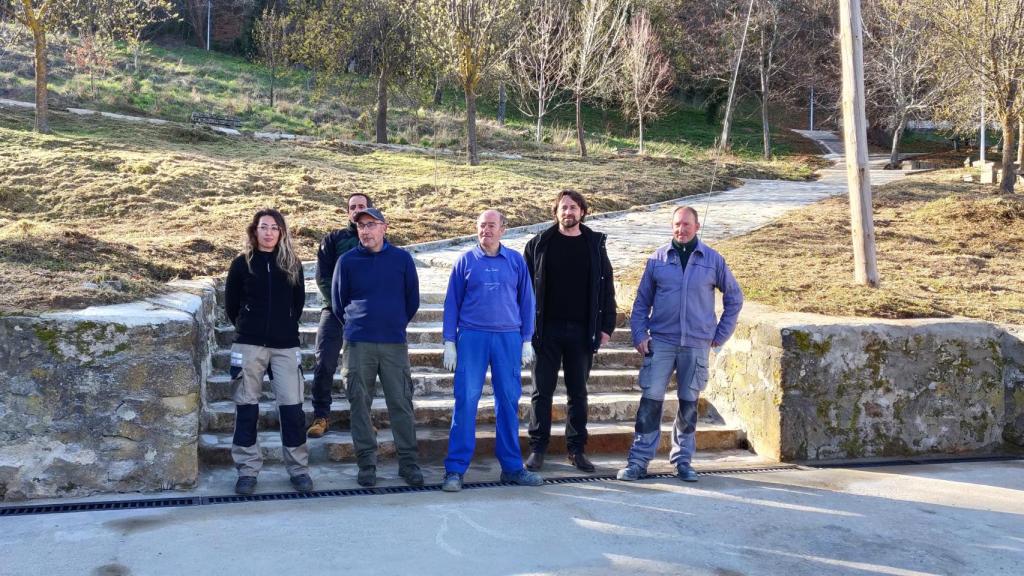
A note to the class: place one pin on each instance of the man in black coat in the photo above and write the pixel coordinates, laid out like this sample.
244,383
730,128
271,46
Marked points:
329,333
572,278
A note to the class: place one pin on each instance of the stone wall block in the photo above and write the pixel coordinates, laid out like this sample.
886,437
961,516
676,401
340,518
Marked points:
811,387
1012,344
105,399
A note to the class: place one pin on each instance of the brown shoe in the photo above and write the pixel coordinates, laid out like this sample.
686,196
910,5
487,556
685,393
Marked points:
581,462
535,461
317,428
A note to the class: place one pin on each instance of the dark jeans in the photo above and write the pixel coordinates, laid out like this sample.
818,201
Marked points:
329,338
567,344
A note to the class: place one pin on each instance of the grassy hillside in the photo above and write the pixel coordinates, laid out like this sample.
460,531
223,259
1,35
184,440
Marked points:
103,211
177,79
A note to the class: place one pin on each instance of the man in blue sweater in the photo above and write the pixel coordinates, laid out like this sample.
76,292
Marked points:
488,321
376,293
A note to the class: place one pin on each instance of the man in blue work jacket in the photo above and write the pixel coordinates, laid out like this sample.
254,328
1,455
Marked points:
488,321
673,325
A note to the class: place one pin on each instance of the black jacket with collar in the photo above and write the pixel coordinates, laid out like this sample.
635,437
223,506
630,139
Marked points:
602,288
262,304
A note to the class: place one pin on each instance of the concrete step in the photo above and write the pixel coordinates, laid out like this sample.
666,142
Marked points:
431,358
437,412
315,300
433,442
440,383
417,333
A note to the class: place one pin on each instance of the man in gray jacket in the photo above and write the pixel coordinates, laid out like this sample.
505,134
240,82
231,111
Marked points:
673,325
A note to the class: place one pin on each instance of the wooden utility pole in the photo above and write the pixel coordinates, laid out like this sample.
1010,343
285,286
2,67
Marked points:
856,144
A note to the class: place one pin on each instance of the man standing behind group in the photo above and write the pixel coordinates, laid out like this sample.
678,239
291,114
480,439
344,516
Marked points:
488,321
572,279
329,337
674,325
377,290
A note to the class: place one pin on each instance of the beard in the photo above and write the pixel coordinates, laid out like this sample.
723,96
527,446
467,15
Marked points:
569,222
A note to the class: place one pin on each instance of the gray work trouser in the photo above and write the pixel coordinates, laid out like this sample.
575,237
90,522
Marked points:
691,368
365,362
248,365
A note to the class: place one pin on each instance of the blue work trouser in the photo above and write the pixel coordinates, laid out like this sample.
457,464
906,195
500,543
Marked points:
691,368
475,351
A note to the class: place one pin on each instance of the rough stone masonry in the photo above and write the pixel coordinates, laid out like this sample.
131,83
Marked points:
104,399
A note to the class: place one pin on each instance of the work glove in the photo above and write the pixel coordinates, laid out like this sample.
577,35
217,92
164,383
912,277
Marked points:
449,356
527,353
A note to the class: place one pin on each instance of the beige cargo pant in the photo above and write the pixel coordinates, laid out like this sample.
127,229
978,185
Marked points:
248,365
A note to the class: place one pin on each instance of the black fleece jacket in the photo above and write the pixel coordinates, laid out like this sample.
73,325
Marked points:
264,307
601,317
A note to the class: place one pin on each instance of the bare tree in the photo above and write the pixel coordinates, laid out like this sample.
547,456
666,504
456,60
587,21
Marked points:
596,35
270,35
536,64
983,48
131,18
322,38
646,73
389,25
901,65
40,17
472,35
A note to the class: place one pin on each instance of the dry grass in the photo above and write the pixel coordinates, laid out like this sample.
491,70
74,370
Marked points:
944,248
127,207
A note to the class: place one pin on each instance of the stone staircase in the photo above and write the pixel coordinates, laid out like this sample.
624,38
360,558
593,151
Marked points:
613,397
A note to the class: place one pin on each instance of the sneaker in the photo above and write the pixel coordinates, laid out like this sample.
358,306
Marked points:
452,482
630,473
302,483
581,462
535,461
245,485
318,428
412,475
686,473
367,476
522,477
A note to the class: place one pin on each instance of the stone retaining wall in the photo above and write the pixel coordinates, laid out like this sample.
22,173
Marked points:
810,387
104,399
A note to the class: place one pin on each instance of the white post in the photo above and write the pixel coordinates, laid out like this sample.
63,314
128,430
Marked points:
811,127
862,227
981,137
209,5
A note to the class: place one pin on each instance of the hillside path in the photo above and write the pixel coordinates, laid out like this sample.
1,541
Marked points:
633,234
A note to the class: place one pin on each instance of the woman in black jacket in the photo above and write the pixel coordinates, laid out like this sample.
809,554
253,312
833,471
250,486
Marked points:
263,298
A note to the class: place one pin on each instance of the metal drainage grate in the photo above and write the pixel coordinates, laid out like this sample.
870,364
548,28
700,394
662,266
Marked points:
34,509
97,506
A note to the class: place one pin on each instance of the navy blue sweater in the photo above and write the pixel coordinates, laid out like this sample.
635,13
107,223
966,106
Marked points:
375,295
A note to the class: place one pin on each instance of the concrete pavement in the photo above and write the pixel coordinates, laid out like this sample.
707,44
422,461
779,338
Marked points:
901,520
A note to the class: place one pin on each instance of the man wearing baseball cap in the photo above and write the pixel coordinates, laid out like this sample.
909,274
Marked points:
375,293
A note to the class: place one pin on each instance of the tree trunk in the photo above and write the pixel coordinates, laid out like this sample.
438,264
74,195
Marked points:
135,55
894,152
42,112
471,151
502,102
438,90
579,127
273,74
766,131
540,119
382,107
1020,143
641,123
1009,174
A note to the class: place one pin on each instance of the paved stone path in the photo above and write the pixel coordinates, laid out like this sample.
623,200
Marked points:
635,233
